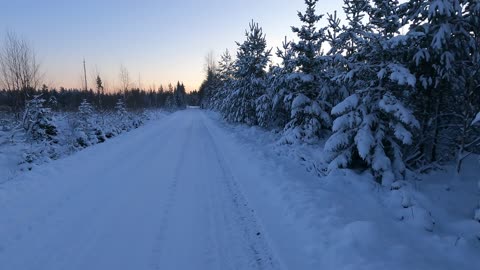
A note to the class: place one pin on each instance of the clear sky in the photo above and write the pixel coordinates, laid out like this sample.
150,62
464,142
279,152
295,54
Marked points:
158,41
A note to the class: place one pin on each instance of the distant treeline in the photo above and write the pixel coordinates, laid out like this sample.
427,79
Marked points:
70,99
21,81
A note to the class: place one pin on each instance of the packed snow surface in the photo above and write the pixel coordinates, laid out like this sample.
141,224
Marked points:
188,192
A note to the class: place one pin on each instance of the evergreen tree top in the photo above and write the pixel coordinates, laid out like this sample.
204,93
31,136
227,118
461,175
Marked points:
226,66
252,55
99,82
384,17
309,17
310,38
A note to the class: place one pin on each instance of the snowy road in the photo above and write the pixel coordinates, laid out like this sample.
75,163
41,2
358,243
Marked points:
161,197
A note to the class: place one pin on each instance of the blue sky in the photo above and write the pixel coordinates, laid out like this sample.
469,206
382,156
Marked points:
157,41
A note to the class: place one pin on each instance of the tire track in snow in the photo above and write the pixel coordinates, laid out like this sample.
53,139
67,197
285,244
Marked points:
158,246
244,215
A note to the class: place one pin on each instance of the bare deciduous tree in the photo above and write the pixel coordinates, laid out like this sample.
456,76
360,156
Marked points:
210,62
19,69
124,78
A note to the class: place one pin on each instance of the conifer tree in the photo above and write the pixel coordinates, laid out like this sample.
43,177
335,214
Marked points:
123,118
100,89
38,121
444,58
373,123
249,84
85,126
225,73
179,96
307,102
282,85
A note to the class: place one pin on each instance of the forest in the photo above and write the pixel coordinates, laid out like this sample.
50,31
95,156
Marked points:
394,87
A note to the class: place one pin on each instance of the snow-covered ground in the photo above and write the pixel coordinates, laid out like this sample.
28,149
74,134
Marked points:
190,192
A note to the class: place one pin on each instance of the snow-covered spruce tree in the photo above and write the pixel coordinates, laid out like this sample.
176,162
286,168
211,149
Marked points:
372,124
122,116
444,53
83,129
88,132
385,17
350,37
223,84
307,102
281,85
344,41
334,63
264,105
40,130
249,77
38,121
53,103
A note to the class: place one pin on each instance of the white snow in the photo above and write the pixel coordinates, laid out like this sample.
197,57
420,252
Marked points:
390,104
189,192
477,119
298,102
401,75
364,140
348,104
300,76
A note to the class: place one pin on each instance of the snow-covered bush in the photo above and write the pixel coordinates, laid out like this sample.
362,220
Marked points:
123,119
307,119
88,132
264,110
38,121
370,132
41,132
